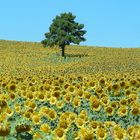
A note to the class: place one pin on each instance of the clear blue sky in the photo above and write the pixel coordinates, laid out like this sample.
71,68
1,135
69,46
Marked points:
114,23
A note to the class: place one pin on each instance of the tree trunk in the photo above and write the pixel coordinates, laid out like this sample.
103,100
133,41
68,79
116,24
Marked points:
63,51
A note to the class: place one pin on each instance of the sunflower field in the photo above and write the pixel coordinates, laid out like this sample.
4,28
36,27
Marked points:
92,94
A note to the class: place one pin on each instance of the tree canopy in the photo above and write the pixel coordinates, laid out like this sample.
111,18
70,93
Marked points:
64,31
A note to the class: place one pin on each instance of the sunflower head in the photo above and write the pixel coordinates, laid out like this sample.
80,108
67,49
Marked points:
79,122
45,128
59,132
109,110
101,133
12,87
123,102
76,102
135,111
4,130
115,87
56,94
105,101
36,119
52,114
22,128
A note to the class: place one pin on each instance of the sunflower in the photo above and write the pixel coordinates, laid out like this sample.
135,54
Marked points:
63,92
61,80
79,122
127,92
133,96
52,114
122,111
36,119
29,96
83,115
3,103
119,133
87,95
30,110
78,86
109,110
3,117
18,109
76,135
86,134
80,93
32,89
59,133
12,96
12,87
1,109
115,87
64,116
102,95
60,104
27,115
136,132
63,124
66,85
32,105
99,90
105,101
26,103
76,102
56,88
108,124
109,88
133,82
41,96
123,102
53,100
23,88
23,94
114,104
71,89
48,96
122,84
127,85
91,83
4,130
101,133
95,104
117,93
102,82
72,117
45,128
135,111
22,128
94,125
56,94
9,111
37,135
68,97
130,130
41,88
47,87
44,111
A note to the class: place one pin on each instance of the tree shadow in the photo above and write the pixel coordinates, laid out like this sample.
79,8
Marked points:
76,55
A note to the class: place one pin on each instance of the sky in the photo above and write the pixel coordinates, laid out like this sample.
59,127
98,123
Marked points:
110,23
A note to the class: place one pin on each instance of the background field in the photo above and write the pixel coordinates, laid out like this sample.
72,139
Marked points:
19,57
94,93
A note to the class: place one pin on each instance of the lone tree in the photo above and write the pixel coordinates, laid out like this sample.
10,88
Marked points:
63,31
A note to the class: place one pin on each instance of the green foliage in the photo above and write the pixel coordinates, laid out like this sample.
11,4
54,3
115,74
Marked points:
63,31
